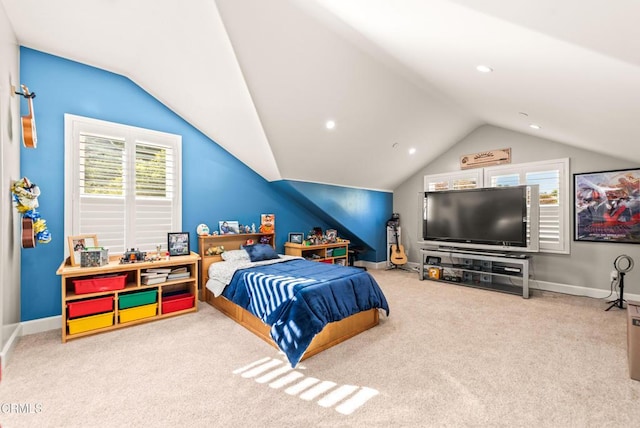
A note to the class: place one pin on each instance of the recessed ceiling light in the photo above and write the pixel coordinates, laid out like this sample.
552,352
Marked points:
412,150
534,126
484,69
330,124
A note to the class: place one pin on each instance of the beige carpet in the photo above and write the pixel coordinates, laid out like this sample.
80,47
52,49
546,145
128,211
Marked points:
447,356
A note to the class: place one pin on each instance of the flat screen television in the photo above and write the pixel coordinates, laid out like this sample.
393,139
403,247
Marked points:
489,219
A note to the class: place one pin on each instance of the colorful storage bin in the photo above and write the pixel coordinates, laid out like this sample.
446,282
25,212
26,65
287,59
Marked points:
177,302
100,283
82,308
337,252
138,313
92,322
137,299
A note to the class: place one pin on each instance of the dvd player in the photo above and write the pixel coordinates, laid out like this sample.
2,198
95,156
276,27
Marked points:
507,270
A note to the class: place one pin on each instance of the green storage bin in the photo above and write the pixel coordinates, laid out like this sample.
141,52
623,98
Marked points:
137,299
338,252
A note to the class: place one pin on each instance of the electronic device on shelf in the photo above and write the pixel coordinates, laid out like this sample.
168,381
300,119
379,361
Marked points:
497,219
507,270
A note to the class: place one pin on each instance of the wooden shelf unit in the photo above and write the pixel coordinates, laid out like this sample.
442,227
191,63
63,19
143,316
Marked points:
321,252
133,283
230,242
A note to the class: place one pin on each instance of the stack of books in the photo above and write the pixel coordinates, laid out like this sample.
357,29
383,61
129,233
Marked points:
179,273
154,276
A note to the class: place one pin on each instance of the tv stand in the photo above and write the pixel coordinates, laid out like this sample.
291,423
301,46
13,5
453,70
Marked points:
507,273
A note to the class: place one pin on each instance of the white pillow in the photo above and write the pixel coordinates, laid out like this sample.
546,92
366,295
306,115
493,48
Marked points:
236,256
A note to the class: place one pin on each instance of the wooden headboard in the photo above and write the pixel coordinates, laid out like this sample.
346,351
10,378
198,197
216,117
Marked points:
229,242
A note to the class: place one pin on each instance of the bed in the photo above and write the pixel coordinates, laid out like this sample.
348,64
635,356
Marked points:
298,306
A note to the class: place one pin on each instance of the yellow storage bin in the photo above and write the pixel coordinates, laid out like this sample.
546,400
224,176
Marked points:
93,322
138,313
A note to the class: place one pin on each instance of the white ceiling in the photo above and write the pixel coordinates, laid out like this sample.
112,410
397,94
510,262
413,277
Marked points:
262,77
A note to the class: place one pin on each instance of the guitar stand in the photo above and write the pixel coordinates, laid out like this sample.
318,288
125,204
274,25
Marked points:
401,267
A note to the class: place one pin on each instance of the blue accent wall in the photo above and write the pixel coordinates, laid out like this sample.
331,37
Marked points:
215,185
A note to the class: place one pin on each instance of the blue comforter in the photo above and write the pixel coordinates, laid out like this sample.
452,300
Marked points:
297,298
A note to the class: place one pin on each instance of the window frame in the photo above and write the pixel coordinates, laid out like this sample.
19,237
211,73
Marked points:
74,125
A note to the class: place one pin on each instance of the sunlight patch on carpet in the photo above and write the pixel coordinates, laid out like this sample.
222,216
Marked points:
346,399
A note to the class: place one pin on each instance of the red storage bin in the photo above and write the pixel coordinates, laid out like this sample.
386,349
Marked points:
177,302
90,307
95,284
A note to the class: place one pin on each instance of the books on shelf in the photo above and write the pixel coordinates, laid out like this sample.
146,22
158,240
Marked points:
158,270
179,275
159,275
153,279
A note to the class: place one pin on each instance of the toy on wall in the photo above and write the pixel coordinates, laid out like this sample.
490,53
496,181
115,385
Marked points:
25,195
267,223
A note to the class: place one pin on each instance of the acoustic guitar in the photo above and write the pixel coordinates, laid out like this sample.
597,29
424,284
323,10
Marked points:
28,237
398,256
29,136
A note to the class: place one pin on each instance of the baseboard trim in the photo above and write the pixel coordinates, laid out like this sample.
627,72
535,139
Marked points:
8,348
41,325
575,290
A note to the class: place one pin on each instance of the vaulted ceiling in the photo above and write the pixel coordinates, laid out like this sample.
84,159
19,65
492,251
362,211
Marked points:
262,77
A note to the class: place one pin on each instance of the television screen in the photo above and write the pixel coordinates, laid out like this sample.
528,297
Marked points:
487,217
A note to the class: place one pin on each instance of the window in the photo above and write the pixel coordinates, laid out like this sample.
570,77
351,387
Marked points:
122,184
453,181
552,178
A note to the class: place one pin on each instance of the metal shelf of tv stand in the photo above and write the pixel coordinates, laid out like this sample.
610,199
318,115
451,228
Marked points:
522,261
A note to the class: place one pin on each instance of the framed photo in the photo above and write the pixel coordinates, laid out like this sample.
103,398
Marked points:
79,243
607,206
332,234
178,244
228,227
296,238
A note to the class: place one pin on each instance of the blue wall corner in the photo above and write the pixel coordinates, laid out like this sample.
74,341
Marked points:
220,188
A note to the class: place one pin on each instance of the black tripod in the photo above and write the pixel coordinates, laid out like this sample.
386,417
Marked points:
619,302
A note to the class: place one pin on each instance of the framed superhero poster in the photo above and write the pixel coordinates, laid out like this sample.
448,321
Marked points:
607,206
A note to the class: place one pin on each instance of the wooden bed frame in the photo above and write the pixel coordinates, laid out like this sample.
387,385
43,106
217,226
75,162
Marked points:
332,334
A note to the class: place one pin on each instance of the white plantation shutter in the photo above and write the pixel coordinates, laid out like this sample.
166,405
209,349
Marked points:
122,184
552,178
453,181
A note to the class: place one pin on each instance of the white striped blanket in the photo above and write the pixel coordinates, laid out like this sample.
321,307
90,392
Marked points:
268,292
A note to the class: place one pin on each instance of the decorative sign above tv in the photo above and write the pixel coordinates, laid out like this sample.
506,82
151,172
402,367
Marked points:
489,158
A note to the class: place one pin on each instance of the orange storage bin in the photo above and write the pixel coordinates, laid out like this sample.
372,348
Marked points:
90,307
100,283
177,302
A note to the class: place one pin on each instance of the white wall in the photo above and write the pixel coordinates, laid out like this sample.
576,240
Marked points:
588,265
10,140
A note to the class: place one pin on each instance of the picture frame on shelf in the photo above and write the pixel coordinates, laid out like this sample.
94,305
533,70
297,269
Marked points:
296,238
77,244
178,243
229,227
603,206
332,235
